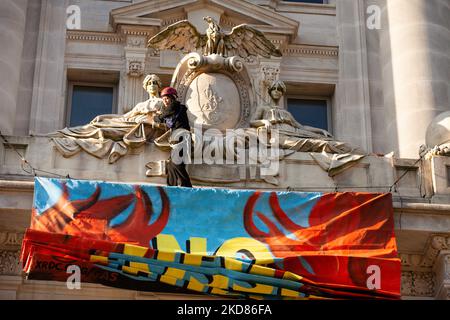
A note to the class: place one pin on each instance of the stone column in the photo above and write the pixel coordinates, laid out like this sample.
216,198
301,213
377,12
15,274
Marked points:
351,111
415,45
135,52
49,83
12,23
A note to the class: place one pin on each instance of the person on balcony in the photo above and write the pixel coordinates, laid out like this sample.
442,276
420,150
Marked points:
174,116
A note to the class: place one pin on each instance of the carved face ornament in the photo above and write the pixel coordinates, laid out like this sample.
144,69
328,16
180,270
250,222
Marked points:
276,93
153,88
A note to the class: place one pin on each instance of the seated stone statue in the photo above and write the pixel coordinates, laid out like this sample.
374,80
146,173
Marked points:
113,135
294,136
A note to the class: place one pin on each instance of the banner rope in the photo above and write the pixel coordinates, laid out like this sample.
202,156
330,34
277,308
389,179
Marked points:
25,162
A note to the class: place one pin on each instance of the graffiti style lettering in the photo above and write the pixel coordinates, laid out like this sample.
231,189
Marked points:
245,248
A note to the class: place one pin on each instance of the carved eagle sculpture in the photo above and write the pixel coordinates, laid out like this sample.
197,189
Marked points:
243,40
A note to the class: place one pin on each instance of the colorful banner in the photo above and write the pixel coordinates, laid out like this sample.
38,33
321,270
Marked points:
238,243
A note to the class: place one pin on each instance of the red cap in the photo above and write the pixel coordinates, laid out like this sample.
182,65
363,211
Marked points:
169,91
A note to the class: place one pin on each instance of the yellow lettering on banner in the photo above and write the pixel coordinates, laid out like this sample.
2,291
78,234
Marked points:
259,251
198,245
140,266
219,281
99,259
166,256
289,293
168,280
259,288
219,291
129,270
292,276
232,264
174,272
133,250
193,259
262,271
195,285
168,243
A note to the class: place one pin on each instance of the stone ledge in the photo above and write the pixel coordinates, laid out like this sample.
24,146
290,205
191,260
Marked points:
431,208
15,185
298,172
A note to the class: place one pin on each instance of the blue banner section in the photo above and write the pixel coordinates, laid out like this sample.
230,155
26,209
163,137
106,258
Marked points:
209,213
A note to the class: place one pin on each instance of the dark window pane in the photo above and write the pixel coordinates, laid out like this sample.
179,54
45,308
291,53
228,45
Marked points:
306,1
448,176
313,113
89,102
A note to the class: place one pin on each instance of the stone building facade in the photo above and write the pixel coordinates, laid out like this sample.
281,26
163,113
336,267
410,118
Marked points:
380,67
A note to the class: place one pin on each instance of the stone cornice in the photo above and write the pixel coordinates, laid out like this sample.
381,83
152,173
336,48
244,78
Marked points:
151,22
308,8
148,7
13,185
421,207
300,50
436,244
138,14
90,36
130,30
259,13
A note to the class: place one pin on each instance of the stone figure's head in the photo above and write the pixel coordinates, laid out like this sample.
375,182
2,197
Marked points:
277,90
152,83
208,19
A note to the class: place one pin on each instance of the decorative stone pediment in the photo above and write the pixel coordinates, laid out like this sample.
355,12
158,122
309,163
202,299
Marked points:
230,13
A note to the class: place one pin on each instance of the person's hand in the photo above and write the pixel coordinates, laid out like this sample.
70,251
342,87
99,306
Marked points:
267,124
326,134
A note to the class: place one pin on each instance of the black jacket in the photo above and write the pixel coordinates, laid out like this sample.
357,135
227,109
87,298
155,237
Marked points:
174,116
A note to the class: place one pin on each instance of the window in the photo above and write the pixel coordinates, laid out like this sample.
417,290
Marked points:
311,112
87,100
448,176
